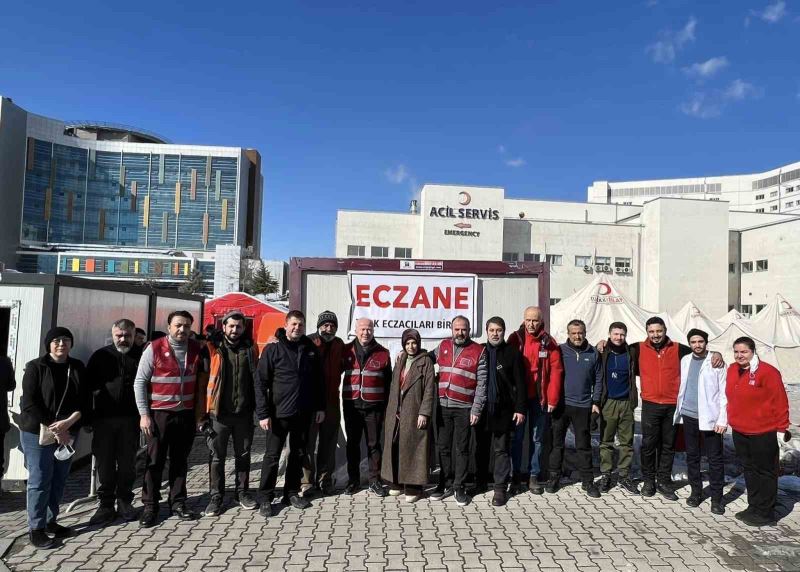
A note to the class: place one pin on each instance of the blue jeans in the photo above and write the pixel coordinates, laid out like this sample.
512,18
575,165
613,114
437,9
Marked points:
46,479
536,424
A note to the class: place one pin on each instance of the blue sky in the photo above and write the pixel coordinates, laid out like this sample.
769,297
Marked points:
355,105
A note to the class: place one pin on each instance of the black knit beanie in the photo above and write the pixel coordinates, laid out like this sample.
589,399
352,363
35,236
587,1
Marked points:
57,332
327,316
696,332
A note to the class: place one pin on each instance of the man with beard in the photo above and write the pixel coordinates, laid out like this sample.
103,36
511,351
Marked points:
111,372
365,390
226,408
543,371
462,395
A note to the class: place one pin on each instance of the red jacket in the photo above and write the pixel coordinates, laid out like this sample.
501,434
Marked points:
660,371
756,404
548,371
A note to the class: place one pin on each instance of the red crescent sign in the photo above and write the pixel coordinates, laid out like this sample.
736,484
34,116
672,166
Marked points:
464,198
605,289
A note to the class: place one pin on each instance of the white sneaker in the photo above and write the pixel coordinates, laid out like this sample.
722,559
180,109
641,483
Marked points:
412,498
395,492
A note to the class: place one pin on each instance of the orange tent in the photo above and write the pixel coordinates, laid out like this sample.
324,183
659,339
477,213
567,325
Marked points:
261,318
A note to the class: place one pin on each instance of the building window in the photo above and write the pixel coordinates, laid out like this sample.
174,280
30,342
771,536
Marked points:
773,194
760,307
761,210
510,257
622,262
762,265
355,250
402,252
379,252
602,260
747,267
789,204
554,301
553,259
747,309
773,207
531,257
789,189
583,261
731,269
759,197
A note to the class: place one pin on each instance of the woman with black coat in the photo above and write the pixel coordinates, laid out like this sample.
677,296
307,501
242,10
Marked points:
56,399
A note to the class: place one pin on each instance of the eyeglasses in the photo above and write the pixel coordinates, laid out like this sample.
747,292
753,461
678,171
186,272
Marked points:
59,341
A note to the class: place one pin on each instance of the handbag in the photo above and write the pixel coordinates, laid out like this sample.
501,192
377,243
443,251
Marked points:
47,437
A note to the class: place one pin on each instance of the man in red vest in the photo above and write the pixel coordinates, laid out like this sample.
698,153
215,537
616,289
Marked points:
166,389
367,369
462,395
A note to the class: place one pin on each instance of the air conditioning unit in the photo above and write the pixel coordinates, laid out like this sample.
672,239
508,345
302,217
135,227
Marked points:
620,270
606,268
598,267
587,268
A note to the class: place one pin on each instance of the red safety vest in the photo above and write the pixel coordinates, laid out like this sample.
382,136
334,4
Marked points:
365,381
458,377
168,388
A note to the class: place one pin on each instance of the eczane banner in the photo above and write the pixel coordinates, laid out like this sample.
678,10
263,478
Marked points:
426,302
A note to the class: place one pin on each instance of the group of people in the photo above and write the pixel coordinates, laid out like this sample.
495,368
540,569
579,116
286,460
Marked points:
481,404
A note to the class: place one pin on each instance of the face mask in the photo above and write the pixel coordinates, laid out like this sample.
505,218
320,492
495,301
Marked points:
64,452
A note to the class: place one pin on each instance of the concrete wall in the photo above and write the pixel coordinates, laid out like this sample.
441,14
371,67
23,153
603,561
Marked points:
577,212
685,255
13,145
783,256
368,229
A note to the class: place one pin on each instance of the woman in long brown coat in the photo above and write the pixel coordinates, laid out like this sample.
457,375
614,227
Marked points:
407,429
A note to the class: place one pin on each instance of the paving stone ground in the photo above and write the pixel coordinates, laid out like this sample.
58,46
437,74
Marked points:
566,531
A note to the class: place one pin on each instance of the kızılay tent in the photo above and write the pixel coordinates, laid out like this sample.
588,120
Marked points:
690,316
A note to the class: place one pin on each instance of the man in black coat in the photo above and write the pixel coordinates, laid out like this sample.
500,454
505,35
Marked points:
7,383
506,403
111,372
290,391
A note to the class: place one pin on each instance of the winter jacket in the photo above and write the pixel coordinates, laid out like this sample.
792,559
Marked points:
660,370
512,388
712,403
213,390
633,359
40,397
290,379
7,383
331,354
111,374
547,380
757,401
583,377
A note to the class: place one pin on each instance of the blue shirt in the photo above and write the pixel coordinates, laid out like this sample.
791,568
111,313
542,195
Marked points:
617,375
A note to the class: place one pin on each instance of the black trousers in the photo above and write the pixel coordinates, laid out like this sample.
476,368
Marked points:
114,444
240,428
493,455
367,423
579,418
454,436
318,469
759,457
695,441
296,429
174,436
658,441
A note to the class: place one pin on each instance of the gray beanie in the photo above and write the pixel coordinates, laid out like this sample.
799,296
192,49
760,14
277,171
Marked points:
327,316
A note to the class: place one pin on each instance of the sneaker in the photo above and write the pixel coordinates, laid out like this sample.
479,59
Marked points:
514,488
214,506
395,491
648,489
247,501
500,498
413,497
552,484
377,489
149,517
39,539
462,499
666,492
605,483
591,489
59,531
534,486
716,506
266,509
352,488
125,510
441,493
179,509
629,485
103,515
297,501
695,498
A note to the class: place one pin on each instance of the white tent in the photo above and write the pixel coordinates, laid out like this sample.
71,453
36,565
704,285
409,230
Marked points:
723,343
599,304
731,317
690,316
779,323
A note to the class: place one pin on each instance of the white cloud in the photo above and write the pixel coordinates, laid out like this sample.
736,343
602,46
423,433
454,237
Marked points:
666,49
708,68
739,90
397,174
701,107
772,13
516,162
707,105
